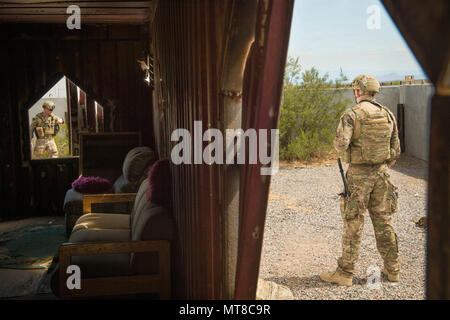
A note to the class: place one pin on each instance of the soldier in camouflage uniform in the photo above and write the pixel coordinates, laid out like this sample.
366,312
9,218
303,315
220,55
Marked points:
45,126
367,136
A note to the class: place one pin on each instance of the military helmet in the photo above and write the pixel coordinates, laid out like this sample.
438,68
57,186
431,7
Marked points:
366,83
49,105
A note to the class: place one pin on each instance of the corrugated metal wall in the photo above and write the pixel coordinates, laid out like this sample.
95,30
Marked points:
187,38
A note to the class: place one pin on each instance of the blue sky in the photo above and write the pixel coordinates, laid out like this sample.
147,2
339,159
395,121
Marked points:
333,34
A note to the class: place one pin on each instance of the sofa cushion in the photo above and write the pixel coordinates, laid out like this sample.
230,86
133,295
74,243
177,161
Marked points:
73,205
102,221
91,185
96,235
136,163
122,185
106,264
140,200
152,223
73,202
159,191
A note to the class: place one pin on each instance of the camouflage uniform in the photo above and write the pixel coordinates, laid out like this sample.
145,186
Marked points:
368,149
45,129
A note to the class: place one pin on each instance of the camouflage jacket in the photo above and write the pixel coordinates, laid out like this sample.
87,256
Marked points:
345,131
44,126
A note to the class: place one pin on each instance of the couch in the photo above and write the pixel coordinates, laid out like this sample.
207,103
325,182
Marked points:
134,171
119,253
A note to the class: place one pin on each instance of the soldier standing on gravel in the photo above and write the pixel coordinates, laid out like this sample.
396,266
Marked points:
367,135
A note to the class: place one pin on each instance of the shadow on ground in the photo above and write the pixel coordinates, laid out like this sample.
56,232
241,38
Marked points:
312,282
412,167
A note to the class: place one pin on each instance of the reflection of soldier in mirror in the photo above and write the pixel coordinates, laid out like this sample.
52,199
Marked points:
45,126
367,135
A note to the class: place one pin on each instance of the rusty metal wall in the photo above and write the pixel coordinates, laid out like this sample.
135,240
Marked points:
261,102
424,25
187,39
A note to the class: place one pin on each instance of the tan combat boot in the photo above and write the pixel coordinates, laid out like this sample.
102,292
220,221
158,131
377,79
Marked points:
337,277
392,277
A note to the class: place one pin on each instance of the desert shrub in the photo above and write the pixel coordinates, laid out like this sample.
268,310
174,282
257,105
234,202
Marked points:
311,107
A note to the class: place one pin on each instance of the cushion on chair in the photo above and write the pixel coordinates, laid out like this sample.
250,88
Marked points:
136,163
73,208
73,205
95,235
140,200
124,186
105,264
102,221
73,202
134,168
152,223
91,185
113,221
159,190
151,219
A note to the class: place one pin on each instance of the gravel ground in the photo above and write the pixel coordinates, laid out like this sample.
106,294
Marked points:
303,234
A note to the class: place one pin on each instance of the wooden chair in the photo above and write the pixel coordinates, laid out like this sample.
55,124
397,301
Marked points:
149,221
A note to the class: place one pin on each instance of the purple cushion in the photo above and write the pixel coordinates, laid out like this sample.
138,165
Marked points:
91,185
158,191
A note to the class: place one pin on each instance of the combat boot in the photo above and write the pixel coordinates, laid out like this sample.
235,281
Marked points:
392,277
337,277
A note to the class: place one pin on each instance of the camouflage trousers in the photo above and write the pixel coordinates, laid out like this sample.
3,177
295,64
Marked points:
45,144
370,189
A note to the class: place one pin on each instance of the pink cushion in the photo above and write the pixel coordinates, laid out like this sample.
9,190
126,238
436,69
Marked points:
91,185
158,191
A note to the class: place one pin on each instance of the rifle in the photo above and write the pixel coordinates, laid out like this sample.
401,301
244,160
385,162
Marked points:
346,193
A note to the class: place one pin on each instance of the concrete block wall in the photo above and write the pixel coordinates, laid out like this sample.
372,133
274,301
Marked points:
417,119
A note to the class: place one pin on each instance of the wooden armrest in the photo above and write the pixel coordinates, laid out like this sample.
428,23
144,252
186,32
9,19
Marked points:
92,248
89,199
120,284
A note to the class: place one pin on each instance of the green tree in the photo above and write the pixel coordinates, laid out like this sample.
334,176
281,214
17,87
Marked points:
311,107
